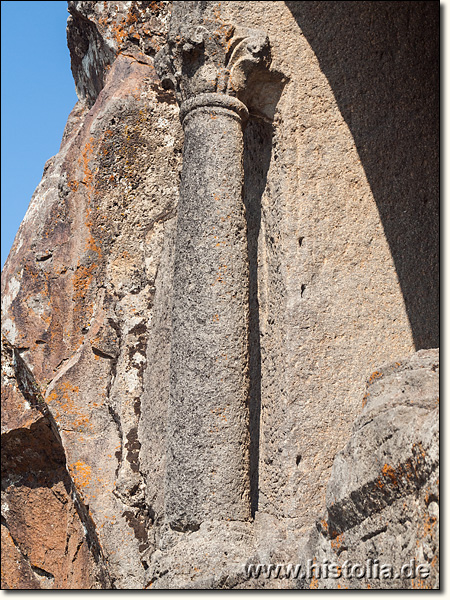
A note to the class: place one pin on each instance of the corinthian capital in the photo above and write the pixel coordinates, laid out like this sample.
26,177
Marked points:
205,55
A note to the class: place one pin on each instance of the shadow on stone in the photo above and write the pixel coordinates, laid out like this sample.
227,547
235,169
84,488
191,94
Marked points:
381,60
257,154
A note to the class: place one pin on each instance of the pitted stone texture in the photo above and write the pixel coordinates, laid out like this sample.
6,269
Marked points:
330,284
383,494
207,421
217,555
212,66
341,189
382,503
204,54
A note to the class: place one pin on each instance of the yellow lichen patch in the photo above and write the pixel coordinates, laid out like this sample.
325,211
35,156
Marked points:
86,156
81,474
64,403
390,472
375,375
337,542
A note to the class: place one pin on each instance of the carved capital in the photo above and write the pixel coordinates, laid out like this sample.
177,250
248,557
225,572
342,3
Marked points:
208,56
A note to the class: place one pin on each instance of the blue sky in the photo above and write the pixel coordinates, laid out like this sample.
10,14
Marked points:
37,95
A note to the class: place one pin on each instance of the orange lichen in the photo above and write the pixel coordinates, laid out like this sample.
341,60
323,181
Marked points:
220,275
375,375
119,33
365,398
91,245
86,156
81,474
82,280
407,471
64,402
337,542
421,584
390,472
429,525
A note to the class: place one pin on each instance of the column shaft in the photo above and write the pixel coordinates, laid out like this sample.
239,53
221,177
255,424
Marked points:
208,438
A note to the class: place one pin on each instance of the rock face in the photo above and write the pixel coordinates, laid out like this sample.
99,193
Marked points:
383,493
335,268
80,284
49,540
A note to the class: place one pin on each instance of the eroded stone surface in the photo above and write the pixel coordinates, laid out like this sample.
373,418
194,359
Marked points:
48,538
80,282
97,32
336,267
383,493
210,67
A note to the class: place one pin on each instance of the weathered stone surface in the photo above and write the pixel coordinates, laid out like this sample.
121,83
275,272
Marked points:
48,537
210,67
207,422
79,286
383,493
97,32
341,213
204,54
335,214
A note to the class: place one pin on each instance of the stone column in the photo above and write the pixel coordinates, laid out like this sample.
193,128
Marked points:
209,66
